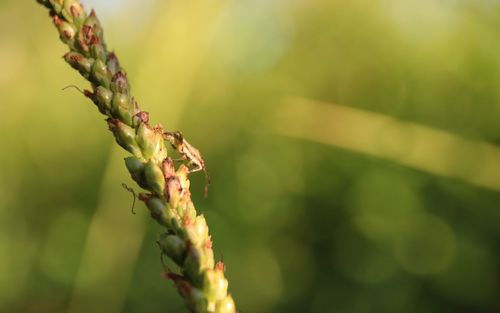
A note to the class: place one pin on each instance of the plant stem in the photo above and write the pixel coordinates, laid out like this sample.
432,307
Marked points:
186,240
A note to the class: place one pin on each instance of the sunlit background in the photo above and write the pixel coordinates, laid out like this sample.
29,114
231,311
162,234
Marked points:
353,147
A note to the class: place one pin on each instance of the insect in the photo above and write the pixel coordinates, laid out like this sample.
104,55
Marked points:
190,154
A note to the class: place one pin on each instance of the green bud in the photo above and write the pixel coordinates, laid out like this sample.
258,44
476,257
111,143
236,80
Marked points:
136,170
197,261
125,136
100,74
103,97
66,31
176,225
97,51
119,83
151,142
209,256
113,63
197,232
160,212
93,21
79,62
134,165
154,177
193,265
174,247
215,285
73,12
190,212
197,302
122,107
226,305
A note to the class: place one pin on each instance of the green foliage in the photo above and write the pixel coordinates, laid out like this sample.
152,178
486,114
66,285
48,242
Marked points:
304,226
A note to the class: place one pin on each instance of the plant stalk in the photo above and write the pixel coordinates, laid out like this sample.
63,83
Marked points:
186,240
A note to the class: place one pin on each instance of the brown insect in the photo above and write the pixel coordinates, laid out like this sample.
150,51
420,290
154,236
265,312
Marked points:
190,154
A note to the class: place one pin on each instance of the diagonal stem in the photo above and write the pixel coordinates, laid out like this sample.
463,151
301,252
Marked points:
186,240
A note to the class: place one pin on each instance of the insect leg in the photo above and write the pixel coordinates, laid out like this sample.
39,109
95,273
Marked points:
133,195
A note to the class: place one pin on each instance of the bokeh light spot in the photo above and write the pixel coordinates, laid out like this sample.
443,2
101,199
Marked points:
426,247
263,279
62,248
383,204
360,259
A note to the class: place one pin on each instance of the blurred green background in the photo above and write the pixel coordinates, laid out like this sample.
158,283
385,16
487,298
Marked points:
353,147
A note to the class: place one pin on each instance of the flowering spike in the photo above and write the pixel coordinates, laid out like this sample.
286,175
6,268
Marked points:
186,239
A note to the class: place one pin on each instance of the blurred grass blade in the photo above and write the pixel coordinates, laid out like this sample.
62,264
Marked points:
407,143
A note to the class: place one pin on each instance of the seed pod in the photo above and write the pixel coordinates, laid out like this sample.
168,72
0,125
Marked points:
197,302
94,22
122,108
125,136
100,74
215,285
190,212
113,63
197,232
151,142
136,170
119,83
154,177
226,305
209,257
103,97
169,218
79,63
197,261
160,212
67,31
155,205
176,225
193,265
97,51
174,247
73,12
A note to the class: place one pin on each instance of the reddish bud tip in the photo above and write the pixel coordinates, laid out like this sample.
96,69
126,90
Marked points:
220,266
143,116
208,243
144,197
187,220
88,94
